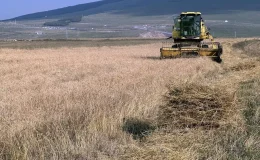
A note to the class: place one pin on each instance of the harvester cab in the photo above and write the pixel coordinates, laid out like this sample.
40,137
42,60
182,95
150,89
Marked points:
188,33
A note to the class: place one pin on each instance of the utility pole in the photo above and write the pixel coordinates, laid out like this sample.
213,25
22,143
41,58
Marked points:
77,33
235,29
67,34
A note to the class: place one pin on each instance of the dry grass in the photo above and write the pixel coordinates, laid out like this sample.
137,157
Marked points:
75,43
71,103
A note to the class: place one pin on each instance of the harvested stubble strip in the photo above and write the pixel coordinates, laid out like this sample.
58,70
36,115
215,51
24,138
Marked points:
193,106
242,66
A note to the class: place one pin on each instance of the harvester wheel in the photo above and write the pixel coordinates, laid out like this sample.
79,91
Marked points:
218,59
161,57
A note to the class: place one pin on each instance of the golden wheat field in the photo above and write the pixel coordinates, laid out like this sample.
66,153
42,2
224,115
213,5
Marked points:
123,102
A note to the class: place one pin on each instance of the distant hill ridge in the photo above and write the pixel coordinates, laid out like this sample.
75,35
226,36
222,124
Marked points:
147,8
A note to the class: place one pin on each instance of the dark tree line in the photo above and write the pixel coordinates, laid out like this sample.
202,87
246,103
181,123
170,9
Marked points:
63,22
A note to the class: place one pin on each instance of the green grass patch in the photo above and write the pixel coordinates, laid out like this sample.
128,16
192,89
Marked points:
249,47
243,142
250,97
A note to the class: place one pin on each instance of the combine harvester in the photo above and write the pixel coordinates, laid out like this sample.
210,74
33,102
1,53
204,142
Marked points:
188,33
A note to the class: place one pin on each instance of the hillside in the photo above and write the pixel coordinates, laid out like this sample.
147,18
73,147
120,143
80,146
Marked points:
133,18
147,8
